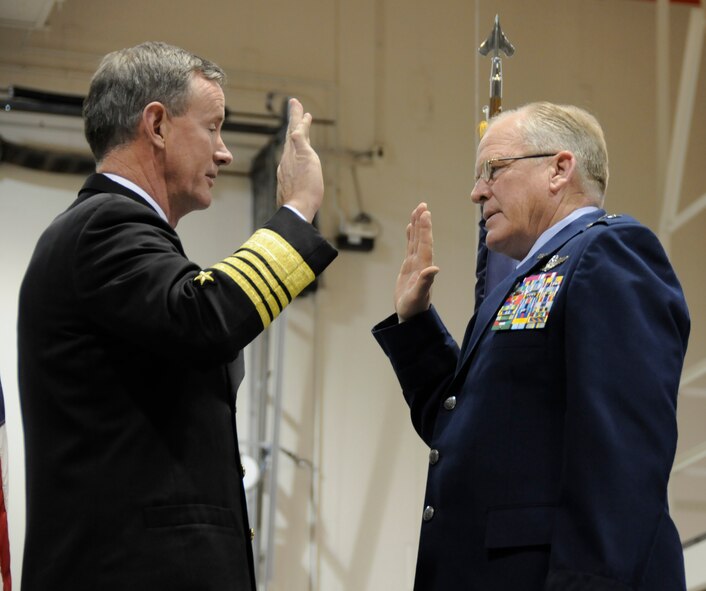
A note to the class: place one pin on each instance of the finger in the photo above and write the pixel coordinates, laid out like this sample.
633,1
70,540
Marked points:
300,135
425,223
420,209
425,248
306,126
422,227
409,239
413,237
416,215
413,229
294,114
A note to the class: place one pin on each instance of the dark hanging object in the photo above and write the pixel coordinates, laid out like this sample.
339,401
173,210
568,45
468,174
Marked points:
44,159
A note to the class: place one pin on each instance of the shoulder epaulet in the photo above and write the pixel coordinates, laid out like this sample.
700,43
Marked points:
606,219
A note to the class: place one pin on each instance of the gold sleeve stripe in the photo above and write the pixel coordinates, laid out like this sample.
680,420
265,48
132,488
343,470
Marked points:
270,298
269,271
257,265
286,263
273,297
256,297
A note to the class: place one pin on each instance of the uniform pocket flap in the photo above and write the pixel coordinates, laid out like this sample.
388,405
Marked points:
519,526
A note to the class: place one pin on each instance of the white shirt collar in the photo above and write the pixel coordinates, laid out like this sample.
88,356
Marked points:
552,231
139,190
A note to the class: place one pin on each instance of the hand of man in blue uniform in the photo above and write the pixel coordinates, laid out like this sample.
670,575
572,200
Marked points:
413,288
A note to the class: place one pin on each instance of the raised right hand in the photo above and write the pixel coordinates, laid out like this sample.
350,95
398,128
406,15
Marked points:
300,182
413,288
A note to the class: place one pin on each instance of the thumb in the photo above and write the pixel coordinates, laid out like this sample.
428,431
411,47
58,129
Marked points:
427,276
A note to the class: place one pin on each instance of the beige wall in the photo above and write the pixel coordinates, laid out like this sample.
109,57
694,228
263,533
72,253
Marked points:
403,74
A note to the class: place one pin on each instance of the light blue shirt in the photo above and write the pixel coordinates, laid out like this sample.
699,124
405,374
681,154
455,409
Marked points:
552,231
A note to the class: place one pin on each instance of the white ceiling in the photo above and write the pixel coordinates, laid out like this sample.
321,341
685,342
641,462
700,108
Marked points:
25,14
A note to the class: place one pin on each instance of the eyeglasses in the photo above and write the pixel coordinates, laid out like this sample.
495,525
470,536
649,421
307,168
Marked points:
488,168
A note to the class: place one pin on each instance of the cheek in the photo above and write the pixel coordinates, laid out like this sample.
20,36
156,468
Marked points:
514,210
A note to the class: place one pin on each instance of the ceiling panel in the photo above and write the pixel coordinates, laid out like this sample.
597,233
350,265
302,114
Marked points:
25,14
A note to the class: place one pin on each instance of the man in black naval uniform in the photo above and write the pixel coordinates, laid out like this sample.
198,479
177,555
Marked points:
130,355
552,429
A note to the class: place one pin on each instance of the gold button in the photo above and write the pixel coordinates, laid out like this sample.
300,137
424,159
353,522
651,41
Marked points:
252,534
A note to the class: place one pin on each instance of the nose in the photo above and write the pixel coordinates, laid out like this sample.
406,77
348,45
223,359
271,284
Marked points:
480,192
222,156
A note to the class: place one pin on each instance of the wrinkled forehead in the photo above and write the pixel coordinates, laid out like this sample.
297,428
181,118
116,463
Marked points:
206,94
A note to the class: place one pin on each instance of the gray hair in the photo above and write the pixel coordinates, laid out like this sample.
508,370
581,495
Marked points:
549,127
128,80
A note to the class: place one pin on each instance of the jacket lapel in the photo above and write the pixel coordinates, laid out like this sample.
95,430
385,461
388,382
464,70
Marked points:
489,308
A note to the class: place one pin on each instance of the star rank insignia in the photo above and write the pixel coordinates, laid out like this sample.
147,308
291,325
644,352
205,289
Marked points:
555,261
203,277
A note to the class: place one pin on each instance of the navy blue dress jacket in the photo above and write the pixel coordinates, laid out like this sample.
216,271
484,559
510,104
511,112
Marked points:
552,430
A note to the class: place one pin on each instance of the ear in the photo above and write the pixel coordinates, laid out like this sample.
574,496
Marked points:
562,171
154,123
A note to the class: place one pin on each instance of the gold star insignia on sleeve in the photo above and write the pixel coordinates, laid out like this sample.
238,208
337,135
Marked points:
204,276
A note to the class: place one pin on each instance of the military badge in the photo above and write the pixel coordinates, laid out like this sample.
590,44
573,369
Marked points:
529,304
555,261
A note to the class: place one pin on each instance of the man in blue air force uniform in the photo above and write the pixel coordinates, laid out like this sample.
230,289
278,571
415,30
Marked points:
552,430
130,354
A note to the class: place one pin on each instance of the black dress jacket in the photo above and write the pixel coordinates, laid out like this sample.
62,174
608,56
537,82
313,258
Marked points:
129,363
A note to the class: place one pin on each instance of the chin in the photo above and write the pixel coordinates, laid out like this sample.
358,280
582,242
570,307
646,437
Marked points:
492,242
194,203
498,245
203,201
